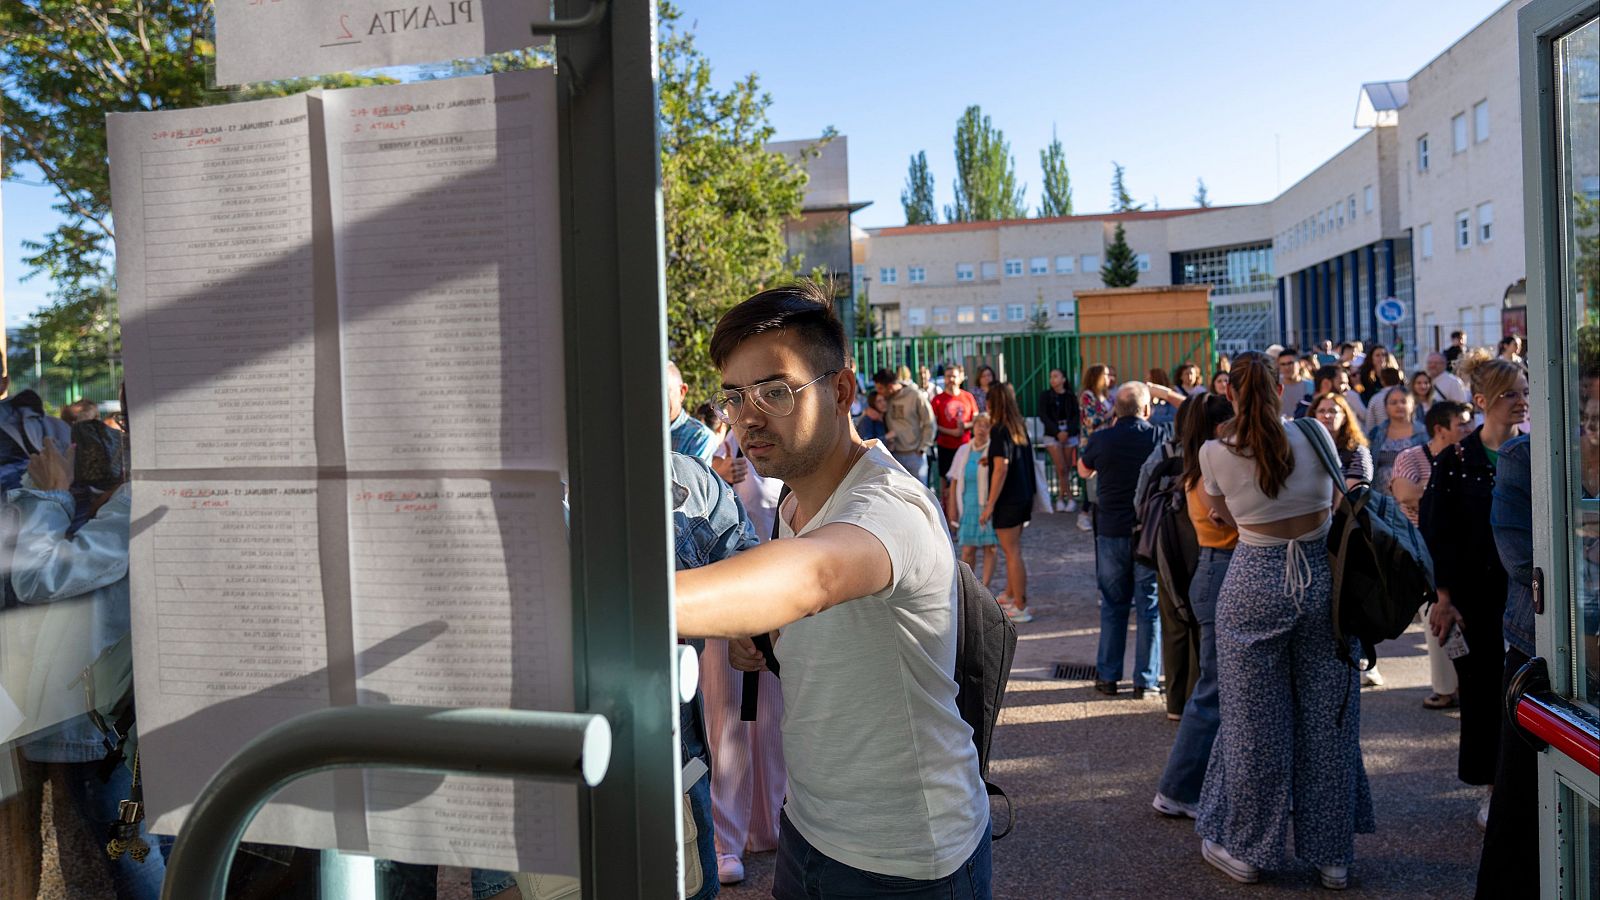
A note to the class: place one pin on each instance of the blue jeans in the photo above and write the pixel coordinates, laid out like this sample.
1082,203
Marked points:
1125,585
915,463
804,873
1186,764
692,730
97,802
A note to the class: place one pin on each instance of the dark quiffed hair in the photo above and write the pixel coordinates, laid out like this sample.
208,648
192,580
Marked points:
1326,373
804,308
1444,414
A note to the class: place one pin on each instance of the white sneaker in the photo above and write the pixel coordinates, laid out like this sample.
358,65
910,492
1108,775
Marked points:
1174,808
1239,871
1061,505
1335,878
730,868
1483,811
1072,505
1372,678
1084,522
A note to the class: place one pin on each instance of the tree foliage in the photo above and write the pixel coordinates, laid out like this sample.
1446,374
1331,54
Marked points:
1057,200
1121,267
1121,200
986,174
726,199
1202,198
917,198
1586,227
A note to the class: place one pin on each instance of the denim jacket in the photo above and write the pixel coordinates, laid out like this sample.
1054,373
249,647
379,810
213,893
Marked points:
91,569
709,523
1511,517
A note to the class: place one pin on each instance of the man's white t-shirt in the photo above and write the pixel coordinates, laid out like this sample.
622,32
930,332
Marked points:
883,775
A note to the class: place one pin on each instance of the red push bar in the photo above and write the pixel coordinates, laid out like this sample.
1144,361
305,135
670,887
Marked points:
1573,736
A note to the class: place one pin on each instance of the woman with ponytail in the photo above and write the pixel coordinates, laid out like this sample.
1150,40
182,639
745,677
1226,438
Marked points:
1287,750
1471,582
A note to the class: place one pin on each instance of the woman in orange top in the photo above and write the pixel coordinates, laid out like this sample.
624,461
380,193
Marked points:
1179,790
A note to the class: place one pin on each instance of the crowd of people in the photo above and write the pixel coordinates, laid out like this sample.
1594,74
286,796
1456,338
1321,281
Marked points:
850,500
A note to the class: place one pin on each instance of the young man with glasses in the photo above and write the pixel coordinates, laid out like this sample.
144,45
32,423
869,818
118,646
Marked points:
884,793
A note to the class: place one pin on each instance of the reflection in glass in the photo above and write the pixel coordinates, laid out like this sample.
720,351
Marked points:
1580,824
1578,109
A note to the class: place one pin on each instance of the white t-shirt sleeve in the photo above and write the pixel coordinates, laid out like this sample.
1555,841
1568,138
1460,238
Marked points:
1208,467
897,521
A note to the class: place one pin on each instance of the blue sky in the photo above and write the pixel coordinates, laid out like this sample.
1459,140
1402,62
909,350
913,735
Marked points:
1249,95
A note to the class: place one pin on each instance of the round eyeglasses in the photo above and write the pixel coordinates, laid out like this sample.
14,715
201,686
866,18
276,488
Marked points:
775,398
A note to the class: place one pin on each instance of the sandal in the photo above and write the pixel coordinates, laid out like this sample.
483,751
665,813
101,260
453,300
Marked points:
1439,701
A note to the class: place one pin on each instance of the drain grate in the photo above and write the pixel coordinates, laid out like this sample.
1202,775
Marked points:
1071,671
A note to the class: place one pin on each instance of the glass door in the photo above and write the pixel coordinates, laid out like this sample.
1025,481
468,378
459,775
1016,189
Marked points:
1558,705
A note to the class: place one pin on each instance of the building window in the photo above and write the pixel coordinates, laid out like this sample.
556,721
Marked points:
1013,268
888,276
1063,309
916,274
963,271
1422,153
989,271
1463,230
1468,316
1243,269
1480,121
1352,205
941,315
1425,237
966,315
859,272
1039,265
1366,198
1064,265
1338,214
1485,222
1091,263
1143,259
1458,133
916,317
1016,312
991,314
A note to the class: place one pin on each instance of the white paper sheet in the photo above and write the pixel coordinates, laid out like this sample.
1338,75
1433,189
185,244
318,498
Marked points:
333,307
264,40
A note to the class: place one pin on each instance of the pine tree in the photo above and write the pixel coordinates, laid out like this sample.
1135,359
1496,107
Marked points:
1121,200
917,198
1201,198
1122,265
1057,199
986,174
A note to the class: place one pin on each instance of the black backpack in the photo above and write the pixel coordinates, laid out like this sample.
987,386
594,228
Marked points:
986,642
1167,541
1382,571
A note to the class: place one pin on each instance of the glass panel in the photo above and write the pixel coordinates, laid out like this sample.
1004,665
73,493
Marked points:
1577,57
1580,847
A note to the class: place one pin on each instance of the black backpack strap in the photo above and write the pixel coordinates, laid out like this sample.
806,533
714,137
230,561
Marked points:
763,642
993,790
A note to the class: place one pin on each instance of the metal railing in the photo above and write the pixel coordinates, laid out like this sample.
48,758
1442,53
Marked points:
1026,358
571,747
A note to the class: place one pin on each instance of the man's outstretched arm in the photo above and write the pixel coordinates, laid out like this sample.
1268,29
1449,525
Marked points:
766,588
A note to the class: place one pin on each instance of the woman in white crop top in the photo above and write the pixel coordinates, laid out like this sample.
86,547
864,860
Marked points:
1287,750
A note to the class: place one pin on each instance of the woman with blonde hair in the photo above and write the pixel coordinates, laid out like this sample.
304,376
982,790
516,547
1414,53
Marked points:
1468,574
1287,751
1011,488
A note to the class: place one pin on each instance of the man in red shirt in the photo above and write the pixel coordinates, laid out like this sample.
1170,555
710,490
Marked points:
953,412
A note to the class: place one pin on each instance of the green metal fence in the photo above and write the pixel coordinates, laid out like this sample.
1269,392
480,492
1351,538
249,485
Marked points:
58,392
1026,358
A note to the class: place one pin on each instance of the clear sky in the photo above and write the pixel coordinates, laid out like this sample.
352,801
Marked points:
1250,95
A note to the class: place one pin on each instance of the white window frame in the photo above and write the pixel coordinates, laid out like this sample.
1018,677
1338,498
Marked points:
1366,197
965,272
1460,139
1065,308
1143,260
1485,222
916,316
1425,240
1352,202
917,274
966,315
888,275
1463,236
1422,154
941,315
1016,312
989,314
1014,268
989,271
1090,263
1065,264
1039,265
1480,121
